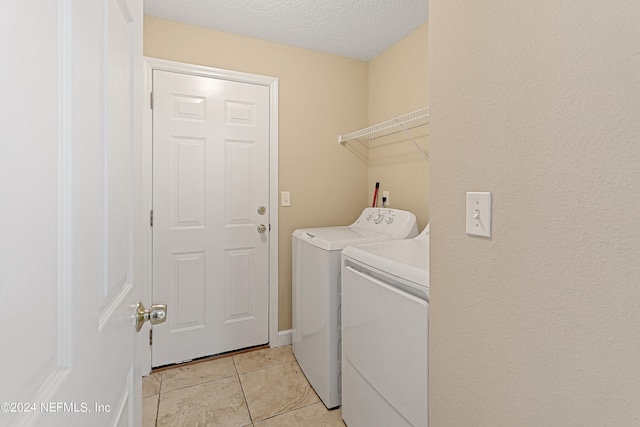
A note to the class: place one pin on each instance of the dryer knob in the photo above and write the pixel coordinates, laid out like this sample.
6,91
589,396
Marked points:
389,220
378,218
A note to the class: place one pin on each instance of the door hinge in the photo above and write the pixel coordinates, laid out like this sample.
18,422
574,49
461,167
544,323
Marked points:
151,100
150,336
151,218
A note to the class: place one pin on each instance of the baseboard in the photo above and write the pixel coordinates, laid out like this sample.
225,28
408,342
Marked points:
284,338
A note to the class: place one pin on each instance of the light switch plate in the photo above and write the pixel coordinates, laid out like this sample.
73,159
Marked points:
285,199
479,214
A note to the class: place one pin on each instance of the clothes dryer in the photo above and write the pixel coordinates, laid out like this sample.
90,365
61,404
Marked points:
385,338
316,291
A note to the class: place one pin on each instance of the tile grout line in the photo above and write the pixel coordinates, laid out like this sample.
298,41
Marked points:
158,404
266,367
276,363
202,383
244,396
295,364
270,366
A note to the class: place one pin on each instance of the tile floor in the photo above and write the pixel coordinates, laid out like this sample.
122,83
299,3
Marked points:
261,388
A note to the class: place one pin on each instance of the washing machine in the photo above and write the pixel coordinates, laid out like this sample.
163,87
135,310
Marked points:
316,291
385,339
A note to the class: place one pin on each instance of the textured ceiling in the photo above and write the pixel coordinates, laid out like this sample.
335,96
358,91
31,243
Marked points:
359,29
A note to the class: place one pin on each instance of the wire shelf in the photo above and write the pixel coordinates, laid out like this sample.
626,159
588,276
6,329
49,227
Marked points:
404,123
399,124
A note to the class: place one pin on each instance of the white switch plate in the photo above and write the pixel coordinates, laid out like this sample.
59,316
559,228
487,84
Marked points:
479,214
285,199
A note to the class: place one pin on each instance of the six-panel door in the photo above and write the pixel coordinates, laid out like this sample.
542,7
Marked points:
210,180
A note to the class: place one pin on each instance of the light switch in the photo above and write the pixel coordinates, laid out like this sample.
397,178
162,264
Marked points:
285,199
479,214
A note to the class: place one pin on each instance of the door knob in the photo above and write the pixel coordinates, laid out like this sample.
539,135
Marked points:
262,228
156,314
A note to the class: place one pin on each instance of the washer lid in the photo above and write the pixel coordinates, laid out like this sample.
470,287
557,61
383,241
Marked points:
407,259
336,238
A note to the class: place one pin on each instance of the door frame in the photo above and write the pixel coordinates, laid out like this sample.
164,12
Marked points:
152,64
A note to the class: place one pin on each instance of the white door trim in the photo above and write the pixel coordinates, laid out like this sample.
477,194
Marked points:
197,70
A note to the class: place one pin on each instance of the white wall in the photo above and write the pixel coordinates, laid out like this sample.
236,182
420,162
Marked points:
539,103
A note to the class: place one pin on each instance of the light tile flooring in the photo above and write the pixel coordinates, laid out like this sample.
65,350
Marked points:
261,388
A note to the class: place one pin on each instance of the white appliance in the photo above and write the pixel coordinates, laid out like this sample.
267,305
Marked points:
385,305
316,291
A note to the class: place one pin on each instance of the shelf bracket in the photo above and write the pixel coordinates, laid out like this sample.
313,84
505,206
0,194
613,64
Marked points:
406,132
399,124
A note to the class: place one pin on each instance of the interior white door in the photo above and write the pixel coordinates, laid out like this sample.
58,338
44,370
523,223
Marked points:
210,215
67,170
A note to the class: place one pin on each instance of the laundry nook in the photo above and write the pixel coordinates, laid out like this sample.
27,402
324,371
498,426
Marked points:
270,213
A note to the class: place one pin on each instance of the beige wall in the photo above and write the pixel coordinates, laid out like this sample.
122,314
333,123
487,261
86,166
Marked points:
399,84
538,103
320,96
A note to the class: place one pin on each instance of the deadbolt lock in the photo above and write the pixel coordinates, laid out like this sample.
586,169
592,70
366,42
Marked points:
262,210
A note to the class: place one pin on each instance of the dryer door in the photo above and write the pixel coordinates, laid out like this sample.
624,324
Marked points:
385,353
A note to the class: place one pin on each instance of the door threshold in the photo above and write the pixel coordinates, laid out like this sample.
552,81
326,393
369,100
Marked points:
209,358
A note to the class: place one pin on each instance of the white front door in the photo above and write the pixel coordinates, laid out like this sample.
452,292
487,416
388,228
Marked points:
68,246
210,215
